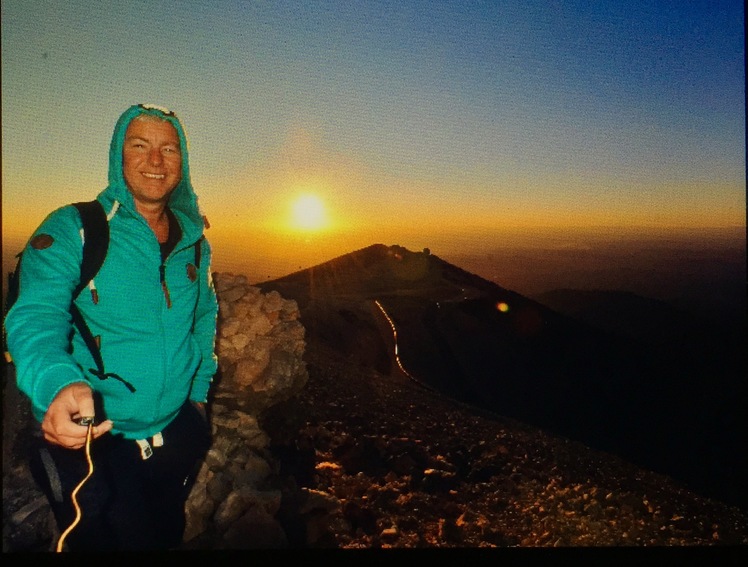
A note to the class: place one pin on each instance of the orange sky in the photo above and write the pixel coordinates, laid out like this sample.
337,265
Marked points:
453,129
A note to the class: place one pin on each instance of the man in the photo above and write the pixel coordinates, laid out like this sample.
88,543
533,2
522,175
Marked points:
153,314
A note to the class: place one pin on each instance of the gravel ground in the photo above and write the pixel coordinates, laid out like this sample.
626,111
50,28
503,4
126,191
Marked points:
413,469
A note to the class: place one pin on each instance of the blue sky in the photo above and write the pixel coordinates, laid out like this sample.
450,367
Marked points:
410,121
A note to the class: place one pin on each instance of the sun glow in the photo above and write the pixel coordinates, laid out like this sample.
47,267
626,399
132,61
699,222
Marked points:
308,213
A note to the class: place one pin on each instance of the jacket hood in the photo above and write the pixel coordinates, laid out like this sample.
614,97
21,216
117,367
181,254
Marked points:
183,199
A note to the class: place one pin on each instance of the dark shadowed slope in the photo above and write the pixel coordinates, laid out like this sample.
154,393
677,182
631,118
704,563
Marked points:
493,348
412,468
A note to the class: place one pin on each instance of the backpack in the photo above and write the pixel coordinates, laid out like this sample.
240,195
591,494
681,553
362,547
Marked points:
95,246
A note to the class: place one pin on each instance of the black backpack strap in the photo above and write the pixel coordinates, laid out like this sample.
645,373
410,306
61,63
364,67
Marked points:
93,347
198,251
95,246
10,298
96,241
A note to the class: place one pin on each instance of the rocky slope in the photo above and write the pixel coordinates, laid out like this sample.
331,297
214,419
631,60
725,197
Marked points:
414,469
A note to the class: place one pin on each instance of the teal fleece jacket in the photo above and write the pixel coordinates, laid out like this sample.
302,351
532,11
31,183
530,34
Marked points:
165,351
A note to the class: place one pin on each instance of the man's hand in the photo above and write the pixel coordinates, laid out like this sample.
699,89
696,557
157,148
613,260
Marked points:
71,403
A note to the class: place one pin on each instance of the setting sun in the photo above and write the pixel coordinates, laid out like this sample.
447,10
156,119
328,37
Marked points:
308,213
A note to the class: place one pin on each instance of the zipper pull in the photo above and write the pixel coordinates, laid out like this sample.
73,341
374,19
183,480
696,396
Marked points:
162,274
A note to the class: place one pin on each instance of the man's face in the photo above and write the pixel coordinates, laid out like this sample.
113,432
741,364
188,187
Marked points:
151,160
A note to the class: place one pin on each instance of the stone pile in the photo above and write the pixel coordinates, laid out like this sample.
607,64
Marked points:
260,344
241,496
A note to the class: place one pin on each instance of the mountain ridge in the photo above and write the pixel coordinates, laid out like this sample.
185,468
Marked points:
482,344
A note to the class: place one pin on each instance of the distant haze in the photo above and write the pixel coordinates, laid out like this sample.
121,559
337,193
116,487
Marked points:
704,271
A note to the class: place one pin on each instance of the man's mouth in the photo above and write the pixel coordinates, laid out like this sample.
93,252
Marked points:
154,175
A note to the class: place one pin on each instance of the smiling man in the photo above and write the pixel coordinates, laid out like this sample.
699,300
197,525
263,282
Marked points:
153,318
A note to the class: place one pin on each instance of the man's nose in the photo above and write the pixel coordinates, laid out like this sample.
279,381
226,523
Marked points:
155,157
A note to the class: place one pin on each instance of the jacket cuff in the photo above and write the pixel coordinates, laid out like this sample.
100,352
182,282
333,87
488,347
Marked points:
54,380
199,392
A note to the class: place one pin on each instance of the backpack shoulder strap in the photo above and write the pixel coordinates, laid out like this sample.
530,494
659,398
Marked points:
198,251
10,298
96,240
95,246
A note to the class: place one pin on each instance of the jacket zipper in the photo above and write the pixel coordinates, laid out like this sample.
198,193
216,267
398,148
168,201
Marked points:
164,287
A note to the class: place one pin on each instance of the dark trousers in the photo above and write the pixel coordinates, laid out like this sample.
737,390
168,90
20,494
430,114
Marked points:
128,503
